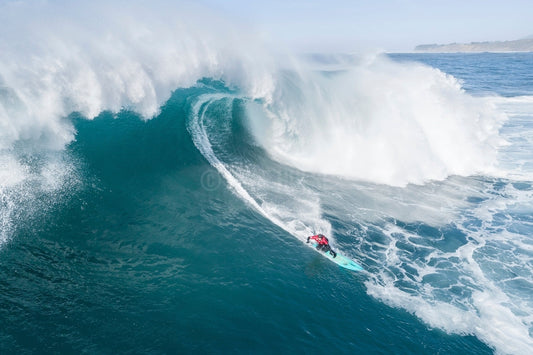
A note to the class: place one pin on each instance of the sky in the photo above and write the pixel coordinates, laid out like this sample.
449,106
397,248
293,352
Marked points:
390,25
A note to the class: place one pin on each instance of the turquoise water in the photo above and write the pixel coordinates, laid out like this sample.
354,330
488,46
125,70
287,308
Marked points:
155,202
142,258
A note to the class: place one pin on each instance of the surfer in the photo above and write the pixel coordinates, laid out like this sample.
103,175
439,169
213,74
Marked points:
323,243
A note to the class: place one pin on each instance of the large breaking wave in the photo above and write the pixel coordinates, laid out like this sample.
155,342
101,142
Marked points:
374,120
362,117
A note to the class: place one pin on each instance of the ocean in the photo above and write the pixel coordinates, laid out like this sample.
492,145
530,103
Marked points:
158,182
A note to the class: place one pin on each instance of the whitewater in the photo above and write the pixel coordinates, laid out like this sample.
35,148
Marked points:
121,135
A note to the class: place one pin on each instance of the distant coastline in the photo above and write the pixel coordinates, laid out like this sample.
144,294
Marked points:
521,45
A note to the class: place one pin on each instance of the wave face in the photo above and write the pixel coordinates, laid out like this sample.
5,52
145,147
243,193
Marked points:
59,58
137,150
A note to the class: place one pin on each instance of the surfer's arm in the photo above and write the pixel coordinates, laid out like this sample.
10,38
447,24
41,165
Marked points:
314,237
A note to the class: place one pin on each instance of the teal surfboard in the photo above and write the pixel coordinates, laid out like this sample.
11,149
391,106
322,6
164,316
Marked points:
340,259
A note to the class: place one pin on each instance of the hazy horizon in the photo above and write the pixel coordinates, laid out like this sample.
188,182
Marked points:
390,25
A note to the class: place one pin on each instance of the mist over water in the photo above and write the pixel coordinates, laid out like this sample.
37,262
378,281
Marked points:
425,183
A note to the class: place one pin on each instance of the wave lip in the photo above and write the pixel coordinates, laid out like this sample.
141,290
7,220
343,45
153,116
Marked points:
53,65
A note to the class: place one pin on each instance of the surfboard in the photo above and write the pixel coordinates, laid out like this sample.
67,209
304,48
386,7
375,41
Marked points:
340,259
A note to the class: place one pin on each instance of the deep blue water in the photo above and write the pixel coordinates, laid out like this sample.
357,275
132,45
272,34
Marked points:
149,246
505,74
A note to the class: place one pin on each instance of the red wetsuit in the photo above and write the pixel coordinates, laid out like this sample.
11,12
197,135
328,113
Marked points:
321,240
323,244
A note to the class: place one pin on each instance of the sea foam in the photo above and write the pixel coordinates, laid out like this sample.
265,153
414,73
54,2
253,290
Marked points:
381,121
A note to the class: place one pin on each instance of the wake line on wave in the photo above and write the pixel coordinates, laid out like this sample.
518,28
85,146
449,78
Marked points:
201,140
